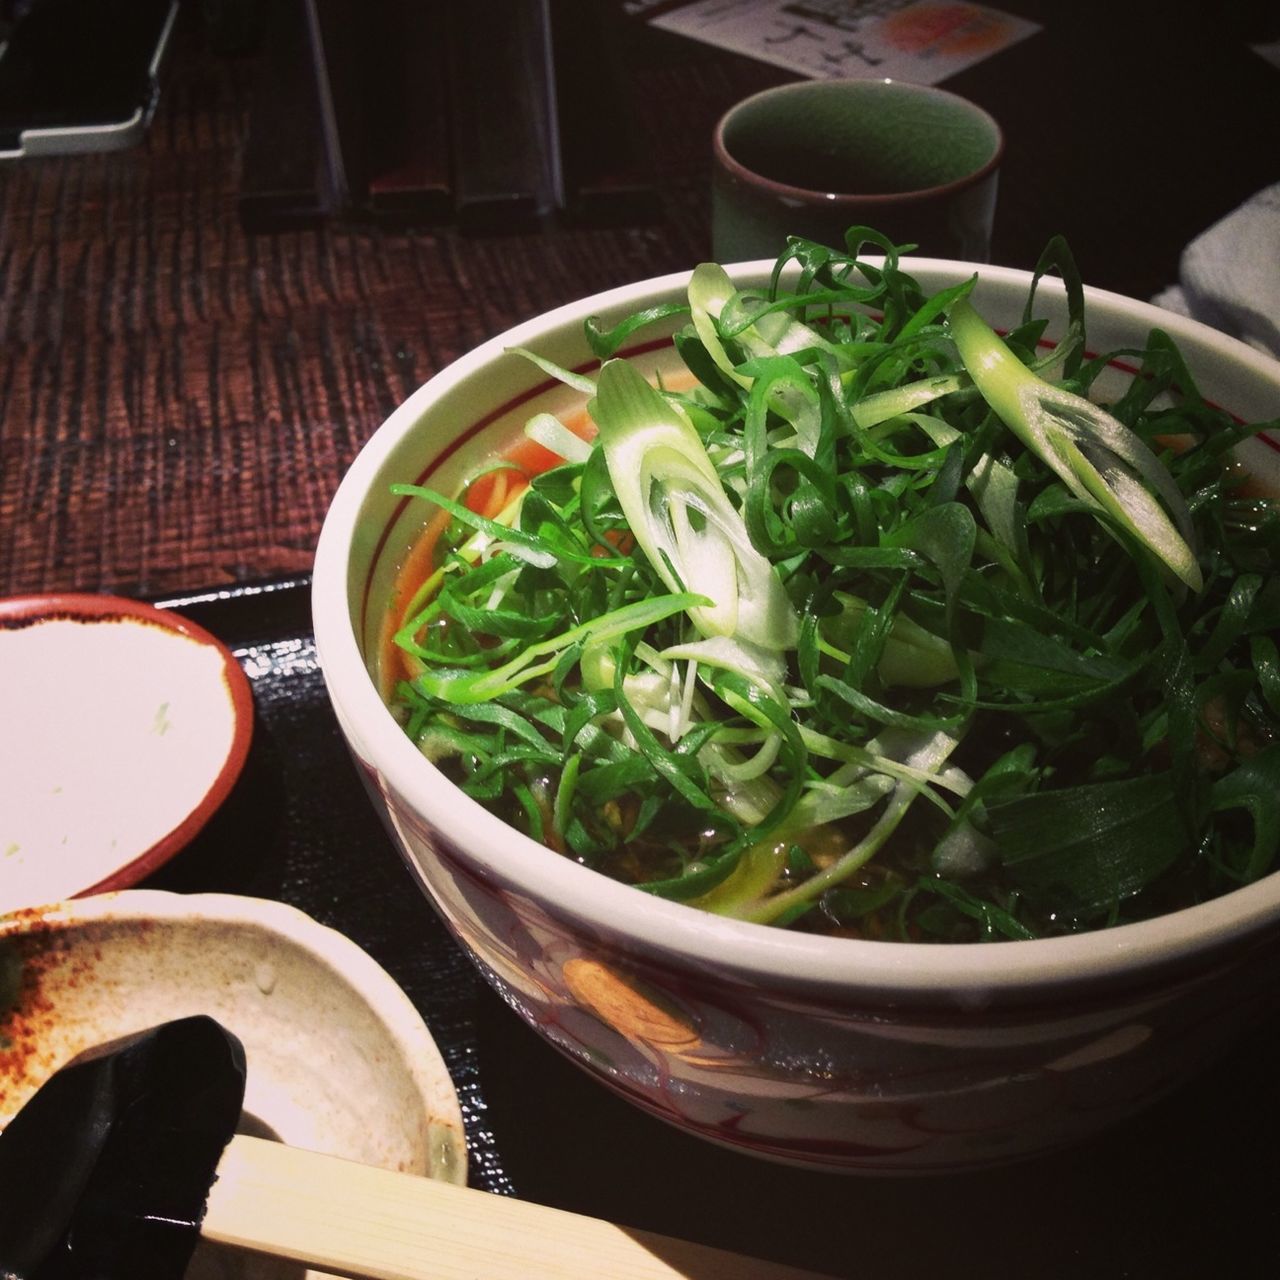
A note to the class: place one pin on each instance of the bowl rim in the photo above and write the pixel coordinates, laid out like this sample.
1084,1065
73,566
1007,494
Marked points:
891,969
89,607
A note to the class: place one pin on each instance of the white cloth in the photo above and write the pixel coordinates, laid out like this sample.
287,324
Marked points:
1229,275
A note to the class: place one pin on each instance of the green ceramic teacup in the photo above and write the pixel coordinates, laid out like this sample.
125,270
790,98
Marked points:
813,158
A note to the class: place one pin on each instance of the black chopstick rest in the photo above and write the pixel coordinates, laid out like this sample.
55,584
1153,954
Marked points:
105,1172
606,179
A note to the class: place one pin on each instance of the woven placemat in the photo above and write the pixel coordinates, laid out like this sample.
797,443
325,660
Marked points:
178,399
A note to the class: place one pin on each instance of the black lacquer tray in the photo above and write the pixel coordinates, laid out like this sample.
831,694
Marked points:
1189,1188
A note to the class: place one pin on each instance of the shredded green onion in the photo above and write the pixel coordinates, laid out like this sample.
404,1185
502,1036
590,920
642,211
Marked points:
885,628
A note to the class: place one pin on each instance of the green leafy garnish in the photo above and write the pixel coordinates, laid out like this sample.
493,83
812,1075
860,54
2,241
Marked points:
881,626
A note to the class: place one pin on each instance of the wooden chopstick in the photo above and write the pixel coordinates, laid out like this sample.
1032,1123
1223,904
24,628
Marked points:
353,1220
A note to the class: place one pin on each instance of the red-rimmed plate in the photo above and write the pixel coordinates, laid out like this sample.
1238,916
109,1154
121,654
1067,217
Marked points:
122,729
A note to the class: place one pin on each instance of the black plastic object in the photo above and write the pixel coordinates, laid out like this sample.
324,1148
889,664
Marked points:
105,1172
81,75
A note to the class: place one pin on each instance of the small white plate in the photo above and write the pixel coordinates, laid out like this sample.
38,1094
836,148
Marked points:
122,729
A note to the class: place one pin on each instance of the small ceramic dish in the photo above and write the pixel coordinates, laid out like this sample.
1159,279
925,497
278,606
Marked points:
124,728
339,1060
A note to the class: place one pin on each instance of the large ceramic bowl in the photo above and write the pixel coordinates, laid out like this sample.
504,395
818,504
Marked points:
851,1055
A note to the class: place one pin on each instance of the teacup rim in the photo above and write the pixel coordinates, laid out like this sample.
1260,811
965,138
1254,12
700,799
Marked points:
834,200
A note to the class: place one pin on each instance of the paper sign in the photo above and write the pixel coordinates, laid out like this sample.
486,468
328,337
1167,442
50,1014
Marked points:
922,41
